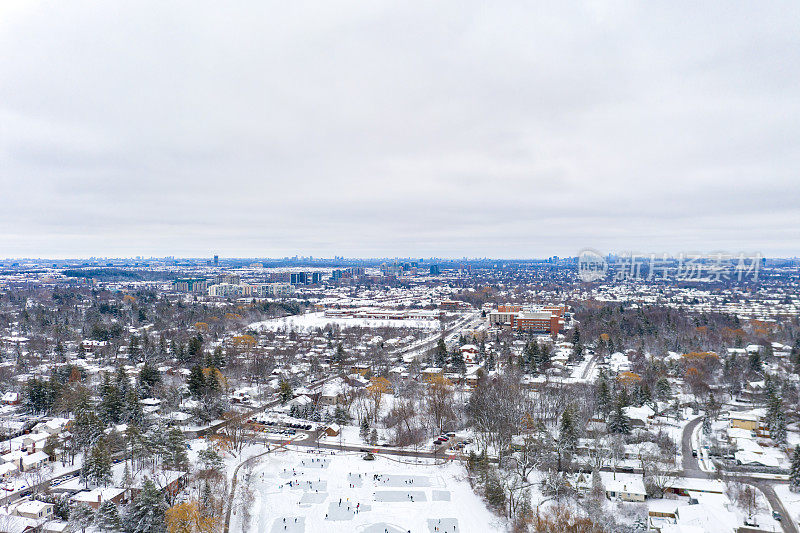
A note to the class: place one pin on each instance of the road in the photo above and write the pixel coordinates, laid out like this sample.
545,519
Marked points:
423,346
691,468
310,443
589,366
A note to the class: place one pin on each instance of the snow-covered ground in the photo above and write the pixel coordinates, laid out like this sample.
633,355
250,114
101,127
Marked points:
790,500
300,491
319,320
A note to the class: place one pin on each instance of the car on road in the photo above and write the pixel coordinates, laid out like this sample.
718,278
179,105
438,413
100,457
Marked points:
776,515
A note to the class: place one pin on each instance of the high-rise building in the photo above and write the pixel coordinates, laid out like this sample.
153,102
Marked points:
298,278
216,260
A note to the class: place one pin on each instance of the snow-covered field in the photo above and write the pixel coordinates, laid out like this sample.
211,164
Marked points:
319,320
298,491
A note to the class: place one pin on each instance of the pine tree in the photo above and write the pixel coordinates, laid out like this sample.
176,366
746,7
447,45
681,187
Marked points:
149,378
794,476
81,516
196,382
86,428
440,355
107,517
146,514
617,421
96,467
50,446
568,432
127,478
219,357
110,408
490,362
121,381
598,490
712,406
132,410
543,360
663,389
778,430
286,393
339,356
776,418
364,431
176,457
458,362
706,425
373,437
603,395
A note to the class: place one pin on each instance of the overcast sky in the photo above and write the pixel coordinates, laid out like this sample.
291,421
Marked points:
372,128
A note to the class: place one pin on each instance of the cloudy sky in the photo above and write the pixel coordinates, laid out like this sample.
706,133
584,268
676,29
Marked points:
372,128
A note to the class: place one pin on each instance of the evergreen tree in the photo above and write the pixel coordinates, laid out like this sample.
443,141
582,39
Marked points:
712,406
339,356
81,516
127,477
107,517
755,362
567,433
50,446
778,430
176,457
663,389
146,514
121,381
440,354
110,408
706,425
623,398
775,418
618,422
285,392
219,358
373,437
86,428
196,382
543,359
598,490
604,401
458,362
794,476
149,378
132,410
364,430
96,467
134,351
490,362
195,346
340,415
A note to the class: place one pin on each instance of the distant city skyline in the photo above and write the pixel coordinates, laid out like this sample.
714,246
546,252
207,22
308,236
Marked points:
375,130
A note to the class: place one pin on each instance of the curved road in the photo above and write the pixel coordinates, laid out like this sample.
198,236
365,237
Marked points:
691,468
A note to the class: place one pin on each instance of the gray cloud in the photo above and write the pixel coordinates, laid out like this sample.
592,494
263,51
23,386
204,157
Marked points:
517,130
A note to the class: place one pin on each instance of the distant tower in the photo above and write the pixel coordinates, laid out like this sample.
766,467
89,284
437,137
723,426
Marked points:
216,260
